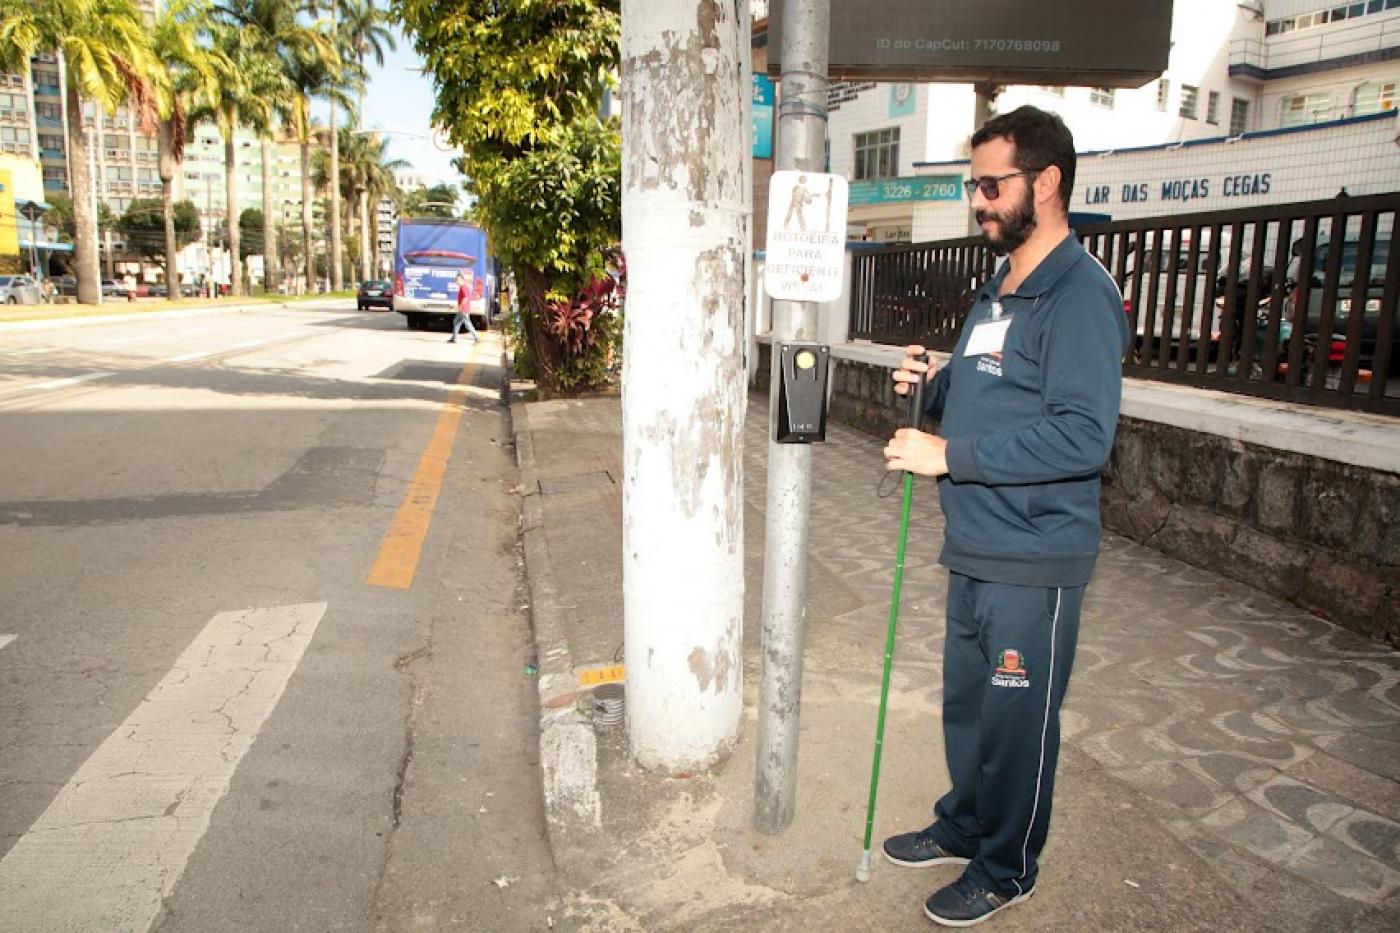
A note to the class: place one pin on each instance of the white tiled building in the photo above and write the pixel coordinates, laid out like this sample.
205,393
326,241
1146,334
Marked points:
1263,101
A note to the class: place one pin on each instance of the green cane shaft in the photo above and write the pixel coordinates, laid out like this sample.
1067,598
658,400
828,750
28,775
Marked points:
889,656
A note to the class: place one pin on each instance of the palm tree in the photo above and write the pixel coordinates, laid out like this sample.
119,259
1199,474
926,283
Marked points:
190,73
272,267
308,61
376,181
366,175
366,26
246,89
365,30
106,52
338,90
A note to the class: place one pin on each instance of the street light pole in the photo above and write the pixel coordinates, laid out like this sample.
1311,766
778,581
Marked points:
802,117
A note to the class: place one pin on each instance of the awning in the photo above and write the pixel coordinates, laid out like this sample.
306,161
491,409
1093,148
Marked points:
20,204
45,244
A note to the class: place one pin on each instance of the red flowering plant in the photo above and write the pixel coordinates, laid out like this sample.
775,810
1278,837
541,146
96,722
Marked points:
588,326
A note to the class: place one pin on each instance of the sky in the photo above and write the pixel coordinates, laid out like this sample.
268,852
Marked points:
399,99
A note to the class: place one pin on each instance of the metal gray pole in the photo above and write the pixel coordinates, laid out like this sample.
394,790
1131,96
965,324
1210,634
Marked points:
801,146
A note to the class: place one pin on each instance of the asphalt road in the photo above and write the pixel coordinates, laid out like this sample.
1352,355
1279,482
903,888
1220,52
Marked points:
262,643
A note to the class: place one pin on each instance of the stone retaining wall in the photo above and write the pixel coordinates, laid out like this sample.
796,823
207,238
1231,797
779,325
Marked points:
1321,534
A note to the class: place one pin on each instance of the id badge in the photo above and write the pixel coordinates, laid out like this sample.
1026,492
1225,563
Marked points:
987,337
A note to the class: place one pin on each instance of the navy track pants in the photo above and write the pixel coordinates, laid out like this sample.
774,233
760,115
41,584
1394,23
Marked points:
1006,665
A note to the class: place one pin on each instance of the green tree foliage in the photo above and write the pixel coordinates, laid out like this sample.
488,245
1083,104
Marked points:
60,215
436,201
519,87
143,225
250,227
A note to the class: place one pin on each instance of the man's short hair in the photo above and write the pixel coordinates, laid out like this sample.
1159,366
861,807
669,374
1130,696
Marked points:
1041,140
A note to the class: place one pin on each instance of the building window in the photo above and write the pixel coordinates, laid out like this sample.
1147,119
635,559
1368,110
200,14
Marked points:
1101,97
1302,109
1189,95
1239,116
1054,90
1277,27
1373,97
1213,108
877,154
1164,93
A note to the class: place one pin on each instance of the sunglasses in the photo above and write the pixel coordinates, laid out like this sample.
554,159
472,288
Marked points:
991,184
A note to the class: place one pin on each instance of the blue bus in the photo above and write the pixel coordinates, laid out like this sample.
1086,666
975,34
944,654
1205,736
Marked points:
429,254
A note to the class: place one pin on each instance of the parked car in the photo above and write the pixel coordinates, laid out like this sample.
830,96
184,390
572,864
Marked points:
1341,310
111,288
187,290
67,285
1177,276
375,293
20,290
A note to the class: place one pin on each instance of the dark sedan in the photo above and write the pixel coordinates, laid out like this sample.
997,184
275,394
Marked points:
375,293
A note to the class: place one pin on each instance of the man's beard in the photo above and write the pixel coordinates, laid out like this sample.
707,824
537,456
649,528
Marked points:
1016,225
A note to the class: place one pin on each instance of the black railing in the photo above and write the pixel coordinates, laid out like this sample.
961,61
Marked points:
917,293
1294,302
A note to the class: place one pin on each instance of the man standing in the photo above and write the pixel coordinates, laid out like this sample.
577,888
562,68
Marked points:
1027,407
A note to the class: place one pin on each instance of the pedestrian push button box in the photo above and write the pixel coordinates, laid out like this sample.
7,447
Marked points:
802,374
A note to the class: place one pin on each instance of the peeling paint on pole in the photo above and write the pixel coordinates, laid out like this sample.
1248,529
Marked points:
685,231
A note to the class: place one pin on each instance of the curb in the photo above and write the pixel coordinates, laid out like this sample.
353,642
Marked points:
568,744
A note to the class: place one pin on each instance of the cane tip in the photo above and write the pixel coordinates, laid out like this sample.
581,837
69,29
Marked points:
863,869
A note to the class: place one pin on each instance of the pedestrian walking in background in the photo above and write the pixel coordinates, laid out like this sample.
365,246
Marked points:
1026,410
464,307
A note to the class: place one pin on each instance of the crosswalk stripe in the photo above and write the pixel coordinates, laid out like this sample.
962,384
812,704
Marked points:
187,357
65,382
113,843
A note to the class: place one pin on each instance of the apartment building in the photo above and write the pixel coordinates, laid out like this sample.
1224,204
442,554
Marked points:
124,160
202,177
386,215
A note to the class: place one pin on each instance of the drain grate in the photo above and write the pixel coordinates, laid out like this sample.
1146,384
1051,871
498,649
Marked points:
608,702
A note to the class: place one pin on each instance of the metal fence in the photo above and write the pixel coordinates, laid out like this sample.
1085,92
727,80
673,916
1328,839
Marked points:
917,293
1294,302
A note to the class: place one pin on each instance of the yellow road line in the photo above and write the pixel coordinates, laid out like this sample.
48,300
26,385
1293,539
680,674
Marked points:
403,543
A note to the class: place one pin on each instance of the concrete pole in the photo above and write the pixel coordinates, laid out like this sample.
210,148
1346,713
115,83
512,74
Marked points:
802,123
685,230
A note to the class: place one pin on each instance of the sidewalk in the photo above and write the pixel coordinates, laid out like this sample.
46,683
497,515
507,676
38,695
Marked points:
1228,761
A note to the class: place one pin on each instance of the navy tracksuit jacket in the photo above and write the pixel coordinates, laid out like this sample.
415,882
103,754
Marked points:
1028,403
